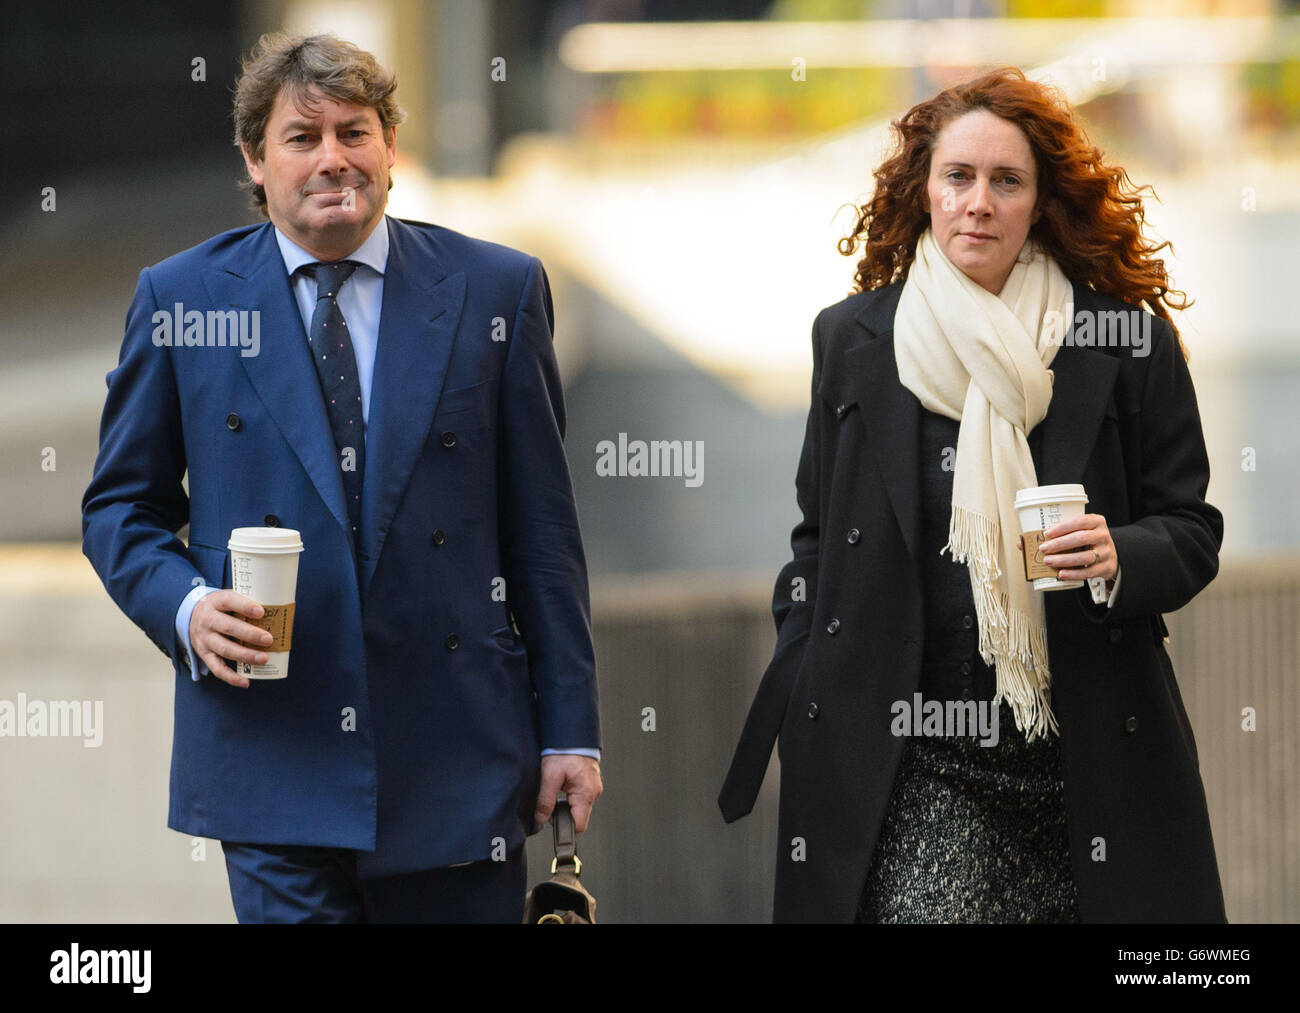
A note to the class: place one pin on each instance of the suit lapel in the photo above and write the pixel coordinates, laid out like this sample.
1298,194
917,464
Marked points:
417,326
423,301
891,414
282,372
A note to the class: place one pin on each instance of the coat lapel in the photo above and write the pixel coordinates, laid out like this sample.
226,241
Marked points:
1085,379
891,414
423,301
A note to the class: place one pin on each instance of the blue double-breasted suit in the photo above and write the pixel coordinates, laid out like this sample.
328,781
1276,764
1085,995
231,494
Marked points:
429,670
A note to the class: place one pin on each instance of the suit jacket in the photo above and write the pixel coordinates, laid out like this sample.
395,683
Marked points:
1127,427
409,727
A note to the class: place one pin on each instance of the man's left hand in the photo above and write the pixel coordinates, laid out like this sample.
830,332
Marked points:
578,777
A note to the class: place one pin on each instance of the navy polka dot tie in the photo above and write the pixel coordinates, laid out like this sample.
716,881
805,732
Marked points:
336,366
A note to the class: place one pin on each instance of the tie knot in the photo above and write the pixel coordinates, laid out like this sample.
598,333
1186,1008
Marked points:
330,277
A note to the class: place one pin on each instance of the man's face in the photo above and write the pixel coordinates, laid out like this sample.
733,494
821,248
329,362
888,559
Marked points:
982,195
325,172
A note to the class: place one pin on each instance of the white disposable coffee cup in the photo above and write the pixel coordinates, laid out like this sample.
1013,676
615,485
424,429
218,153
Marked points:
264,567
1041,508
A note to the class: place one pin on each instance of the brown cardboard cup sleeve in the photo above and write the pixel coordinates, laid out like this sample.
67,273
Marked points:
1034,565
277,620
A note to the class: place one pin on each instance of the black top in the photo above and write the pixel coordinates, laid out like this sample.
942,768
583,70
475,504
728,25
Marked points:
951,666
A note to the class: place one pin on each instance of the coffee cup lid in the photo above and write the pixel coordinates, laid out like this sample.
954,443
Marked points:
270,541
1049,494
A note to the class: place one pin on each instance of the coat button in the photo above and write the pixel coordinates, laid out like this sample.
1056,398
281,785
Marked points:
1116,635
833,627
449,439
967,622
965,693
271,521
812,711
452,642
854,535
1131,725
232,422
965,668
840,410
438,536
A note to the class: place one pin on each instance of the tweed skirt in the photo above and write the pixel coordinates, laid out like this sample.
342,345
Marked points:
974,834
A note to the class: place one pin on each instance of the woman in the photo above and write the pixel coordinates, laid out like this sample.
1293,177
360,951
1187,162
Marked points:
994,228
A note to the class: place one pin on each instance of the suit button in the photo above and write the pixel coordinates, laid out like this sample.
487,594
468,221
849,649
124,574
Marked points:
452,642
1116,635
271,521
232,422
438,536
1131,725
448,439
812,711
854,535
965,693
833,627
965,668
967,622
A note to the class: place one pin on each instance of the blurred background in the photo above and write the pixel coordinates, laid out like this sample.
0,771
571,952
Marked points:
684,171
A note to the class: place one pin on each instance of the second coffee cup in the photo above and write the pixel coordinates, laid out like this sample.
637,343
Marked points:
1040,508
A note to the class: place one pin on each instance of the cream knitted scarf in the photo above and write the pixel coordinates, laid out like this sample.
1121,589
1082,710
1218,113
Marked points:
982,358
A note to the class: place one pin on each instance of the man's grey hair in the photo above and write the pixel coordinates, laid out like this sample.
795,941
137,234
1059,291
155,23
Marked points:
322,63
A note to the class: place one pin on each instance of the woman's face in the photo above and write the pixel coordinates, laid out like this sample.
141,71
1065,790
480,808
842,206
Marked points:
982,195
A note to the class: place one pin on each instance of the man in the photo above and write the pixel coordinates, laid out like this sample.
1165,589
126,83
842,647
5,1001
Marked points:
441,638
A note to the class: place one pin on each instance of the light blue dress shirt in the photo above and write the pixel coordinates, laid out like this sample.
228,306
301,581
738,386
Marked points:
360,300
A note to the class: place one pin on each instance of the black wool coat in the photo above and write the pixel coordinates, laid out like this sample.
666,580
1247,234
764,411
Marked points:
1124,425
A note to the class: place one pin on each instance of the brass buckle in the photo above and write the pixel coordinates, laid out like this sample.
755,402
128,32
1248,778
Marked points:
577,865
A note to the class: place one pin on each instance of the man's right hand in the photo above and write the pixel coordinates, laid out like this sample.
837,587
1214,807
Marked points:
212,627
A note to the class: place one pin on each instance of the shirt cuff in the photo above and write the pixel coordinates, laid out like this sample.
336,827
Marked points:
576,751
195,665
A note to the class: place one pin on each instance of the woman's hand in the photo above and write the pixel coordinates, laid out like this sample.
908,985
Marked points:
1072,544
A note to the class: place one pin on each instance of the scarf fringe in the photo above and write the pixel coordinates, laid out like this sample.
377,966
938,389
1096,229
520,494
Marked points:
1013,644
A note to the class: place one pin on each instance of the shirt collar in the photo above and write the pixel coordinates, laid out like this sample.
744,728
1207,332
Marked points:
373,252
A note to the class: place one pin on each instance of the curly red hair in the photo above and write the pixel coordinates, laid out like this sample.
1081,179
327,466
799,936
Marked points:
1092,212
